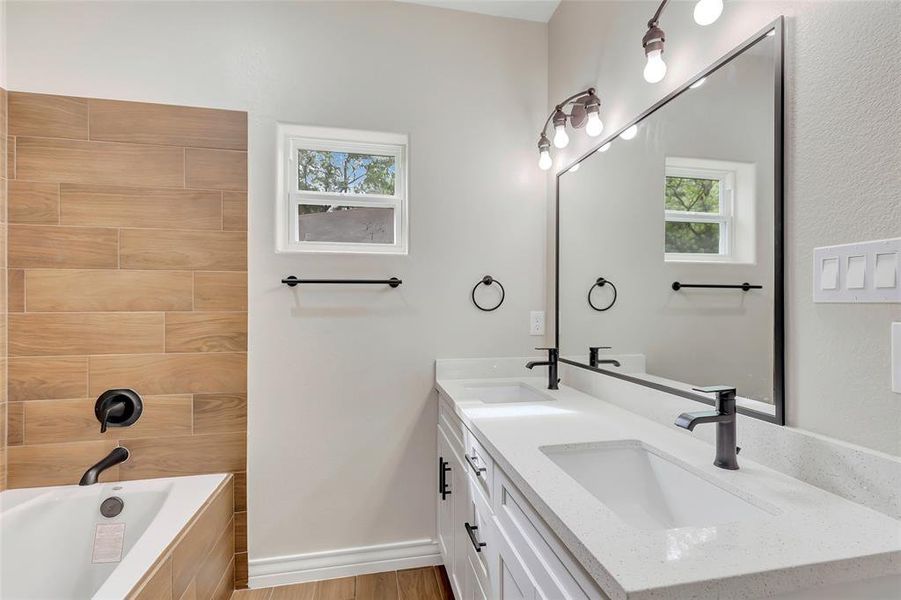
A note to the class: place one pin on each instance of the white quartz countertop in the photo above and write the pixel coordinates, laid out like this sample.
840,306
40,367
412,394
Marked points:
808,537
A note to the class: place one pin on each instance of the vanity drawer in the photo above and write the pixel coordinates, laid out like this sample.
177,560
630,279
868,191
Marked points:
557,574
451,424
479,463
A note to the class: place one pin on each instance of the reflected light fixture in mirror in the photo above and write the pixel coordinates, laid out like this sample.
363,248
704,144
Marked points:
698,83
708,11
629,133
585,111
605,147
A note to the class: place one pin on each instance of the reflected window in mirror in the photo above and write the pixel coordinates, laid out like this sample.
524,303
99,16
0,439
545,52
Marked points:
709,208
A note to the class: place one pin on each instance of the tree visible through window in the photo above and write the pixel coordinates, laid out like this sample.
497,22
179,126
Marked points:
345,173
690,196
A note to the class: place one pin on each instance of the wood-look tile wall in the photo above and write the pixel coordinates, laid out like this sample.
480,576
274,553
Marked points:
3,287
127,268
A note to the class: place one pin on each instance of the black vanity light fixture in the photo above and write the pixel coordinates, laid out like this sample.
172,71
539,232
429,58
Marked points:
585,111
705,13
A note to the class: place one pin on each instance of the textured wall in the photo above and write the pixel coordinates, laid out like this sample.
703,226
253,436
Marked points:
127,248
843,151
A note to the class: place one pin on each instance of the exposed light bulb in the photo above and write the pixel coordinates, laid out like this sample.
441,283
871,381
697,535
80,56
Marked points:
575,167
708,11
594,126
655,69
561,139
605,147
544,160
629,133
698,83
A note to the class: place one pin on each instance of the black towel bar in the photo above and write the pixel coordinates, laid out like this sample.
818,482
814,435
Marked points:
393,282
738,286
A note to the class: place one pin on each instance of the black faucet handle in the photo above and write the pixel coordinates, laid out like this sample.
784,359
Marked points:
552,353
724,393
716,389
546,348
596,348
112,409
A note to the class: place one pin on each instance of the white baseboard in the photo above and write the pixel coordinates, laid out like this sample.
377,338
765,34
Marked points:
345,562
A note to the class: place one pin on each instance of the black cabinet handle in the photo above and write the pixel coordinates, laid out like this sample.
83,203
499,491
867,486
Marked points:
443,468
471,530
478,470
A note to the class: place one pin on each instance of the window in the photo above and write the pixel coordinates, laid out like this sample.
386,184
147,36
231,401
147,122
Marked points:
701,211
342,191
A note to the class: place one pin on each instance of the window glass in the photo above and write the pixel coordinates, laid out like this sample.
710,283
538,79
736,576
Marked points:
685,237
691,194
345,172
345,224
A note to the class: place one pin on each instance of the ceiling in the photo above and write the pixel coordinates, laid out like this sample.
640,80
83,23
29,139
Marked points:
530,10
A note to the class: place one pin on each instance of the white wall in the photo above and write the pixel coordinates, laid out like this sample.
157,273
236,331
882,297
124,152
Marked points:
843,151
341,408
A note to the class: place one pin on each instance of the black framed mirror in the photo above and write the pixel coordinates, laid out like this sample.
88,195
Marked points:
680,214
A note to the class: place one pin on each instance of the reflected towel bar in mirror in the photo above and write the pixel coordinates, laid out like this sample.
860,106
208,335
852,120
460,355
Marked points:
393,282
725,286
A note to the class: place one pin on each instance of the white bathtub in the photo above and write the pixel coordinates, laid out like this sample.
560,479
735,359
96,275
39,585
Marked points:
47,535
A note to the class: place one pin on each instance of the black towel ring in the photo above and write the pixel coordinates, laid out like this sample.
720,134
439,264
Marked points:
488,280
601,282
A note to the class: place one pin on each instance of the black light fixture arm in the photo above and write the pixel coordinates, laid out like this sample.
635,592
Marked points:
570,100
656,18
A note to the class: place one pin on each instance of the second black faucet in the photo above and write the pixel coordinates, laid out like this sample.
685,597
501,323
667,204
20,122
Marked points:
551,364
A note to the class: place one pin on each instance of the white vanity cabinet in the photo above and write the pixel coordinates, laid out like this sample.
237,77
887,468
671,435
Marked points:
494,544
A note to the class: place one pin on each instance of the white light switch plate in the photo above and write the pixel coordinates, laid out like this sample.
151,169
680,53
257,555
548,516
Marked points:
862,272
536,322
896,358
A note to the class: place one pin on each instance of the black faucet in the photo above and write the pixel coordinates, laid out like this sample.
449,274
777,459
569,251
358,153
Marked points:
118,455
724,417
593,360
551,364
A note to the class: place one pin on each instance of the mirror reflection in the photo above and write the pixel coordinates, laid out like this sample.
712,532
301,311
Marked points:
667,240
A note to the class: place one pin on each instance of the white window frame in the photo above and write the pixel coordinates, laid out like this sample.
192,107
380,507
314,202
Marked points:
725,217
292,138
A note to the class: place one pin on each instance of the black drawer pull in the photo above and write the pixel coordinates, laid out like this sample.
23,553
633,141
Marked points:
479,470
443,468
471,530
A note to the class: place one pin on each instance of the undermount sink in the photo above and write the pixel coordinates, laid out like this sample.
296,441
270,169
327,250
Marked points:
502,393
646,489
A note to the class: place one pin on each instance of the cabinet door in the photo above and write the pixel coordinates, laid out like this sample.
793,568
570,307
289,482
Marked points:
509,575
463,513
445,500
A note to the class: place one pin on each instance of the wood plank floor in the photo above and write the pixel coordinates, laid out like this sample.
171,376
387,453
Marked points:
426,583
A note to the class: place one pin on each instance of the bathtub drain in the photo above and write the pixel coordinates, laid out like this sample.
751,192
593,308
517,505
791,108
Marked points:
111,507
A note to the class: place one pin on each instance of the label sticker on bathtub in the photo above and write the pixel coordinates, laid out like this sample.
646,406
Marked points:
109,538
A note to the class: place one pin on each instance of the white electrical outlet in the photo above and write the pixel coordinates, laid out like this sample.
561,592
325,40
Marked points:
536,322
896,358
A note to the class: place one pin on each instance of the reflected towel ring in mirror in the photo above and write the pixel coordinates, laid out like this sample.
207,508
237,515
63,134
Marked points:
488,280
601,282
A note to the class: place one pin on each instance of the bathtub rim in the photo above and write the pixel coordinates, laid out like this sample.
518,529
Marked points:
156,543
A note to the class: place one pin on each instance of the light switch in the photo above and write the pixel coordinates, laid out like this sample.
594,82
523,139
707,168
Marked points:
896,358
857,270
829,274
862,272
886,269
